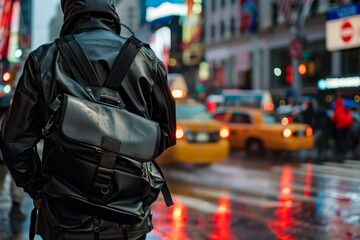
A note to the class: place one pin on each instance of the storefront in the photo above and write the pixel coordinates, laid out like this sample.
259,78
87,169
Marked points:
343,86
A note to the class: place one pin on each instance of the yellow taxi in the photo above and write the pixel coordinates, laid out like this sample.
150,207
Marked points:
200,139
256,130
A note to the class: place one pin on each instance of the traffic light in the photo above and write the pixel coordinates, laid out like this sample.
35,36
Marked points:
289,76
302,69
307,68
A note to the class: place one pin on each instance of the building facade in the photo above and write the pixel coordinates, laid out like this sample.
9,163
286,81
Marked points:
248,45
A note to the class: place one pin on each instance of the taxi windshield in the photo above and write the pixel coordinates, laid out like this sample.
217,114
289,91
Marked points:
271,118
243,100
187,112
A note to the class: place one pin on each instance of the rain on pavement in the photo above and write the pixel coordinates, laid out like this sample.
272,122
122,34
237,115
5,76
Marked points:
246,198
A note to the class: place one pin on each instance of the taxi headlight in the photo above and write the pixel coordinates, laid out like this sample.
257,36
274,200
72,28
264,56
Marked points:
180,133
224,132
287,132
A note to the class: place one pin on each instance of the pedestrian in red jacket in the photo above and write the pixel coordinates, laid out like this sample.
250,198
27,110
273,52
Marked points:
342,119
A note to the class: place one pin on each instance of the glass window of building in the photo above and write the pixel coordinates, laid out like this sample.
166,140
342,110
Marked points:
213,5
212,32
222,3
350,59
222,28
232,26
274,14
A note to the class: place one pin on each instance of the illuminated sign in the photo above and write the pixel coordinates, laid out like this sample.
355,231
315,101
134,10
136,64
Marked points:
14,32
343,27
340,82
156,3
192,32
248,15
156,9
161,44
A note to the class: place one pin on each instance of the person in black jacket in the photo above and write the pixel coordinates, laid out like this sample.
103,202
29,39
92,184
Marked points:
145,92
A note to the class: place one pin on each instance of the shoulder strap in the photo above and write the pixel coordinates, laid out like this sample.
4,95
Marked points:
165,189
81,67
77,61
123,62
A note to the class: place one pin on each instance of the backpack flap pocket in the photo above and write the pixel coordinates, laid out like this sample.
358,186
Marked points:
88,122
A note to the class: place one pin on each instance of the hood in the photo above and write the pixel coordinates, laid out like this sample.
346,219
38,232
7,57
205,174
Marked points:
87,14
339,102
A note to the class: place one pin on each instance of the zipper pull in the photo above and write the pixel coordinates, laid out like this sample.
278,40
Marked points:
50,122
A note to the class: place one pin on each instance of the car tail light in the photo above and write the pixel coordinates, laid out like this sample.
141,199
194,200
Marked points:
211,106
309,132
180,133
286,120
268,106
287,132
224,132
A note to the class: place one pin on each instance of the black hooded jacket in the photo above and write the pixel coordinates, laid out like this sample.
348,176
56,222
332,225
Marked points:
96,26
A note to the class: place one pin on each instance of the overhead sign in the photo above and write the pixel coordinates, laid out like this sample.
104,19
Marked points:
295,48
156,9
343,27
339,82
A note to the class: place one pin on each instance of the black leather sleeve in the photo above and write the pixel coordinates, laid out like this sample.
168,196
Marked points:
164,108
21,131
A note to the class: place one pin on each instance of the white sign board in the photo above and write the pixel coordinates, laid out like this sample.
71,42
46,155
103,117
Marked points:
343,28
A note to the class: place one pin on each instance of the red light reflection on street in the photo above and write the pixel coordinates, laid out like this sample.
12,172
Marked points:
308,180
170,223
178,212
284,221
179,219
223,221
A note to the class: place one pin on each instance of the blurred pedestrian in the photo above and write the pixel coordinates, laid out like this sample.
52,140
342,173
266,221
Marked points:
322,132
16,193
309,114
318,119
354,133
343,121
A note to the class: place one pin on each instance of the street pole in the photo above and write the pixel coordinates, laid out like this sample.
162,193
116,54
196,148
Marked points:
297,31
296,86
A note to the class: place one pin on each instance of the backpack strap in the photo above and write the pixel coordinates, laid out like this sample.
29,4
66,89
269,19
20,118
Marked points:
77,60
32,228
165,189
123,62
105,170
81,67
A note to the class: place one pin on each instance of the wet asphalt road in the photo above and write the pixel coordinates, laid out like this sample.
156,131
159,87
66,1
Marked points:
249,198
